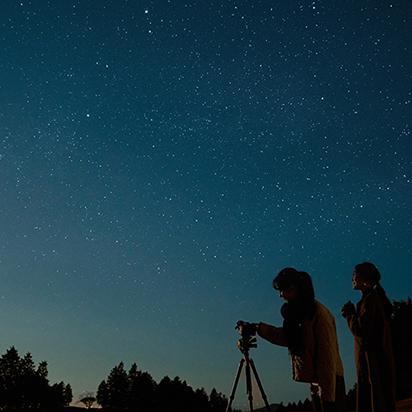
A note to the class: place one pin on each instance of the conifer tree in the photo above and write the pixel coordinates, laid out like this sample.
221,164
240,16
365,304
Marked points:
113,394
23,386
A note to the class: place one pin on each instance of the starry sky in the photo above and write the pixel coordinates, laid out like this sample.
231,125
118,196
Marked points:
162,160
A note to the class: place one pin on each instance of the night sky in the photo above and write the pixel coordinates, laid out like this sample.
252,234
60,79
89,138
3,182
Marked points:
161,161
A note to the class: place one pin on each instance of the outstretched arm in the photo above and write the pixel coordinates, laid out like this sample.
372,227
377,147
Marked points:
272,334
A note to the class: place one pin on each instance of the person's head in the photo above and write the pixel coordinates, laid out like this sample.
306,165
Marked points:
365,276
294,286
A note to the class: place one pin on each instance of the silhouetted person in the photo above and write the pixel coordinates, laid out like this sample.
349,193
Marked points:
369,322
309,332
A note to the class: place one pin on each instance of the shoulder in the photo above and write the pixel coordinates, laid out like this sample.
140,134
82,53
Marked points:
322,310
373,302
323,314
371,299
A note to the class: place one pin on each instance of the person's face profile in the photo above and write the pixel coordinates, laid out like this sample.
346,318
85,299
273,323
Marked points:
358,283
288,294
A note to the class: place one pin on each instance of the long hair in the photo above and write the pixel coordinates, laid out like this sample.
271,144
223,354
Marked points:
295,312
292,278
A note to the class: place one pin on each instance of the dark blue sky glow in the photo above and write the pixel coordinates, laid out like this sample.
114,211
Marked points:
161,160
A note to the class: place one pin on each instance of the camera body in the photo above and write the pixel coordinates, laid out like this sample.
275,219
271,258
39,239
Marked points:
247,332
246,329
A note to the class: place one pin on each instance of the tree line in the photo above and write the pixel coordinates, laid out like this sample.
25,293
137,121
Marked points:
137,391
25,386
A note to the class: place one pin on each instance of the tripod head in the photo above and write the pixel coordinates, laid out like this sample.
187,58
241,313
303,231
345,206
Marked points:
247,333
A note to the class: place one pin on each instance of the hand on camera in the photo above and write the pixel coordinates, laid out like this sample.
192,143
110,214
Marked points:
348,309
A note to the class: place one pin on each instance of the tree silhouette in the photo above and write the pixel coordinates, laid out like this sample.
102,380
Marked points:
68,395
141,390
305,406
59,394
174,395
23,386
113,394
136,391
201,401
88,400
164,394
402,338
102,395
218,402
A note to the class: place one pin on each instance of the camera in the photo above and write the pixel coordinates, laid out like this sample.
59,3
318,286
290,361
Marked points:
246,329
247,332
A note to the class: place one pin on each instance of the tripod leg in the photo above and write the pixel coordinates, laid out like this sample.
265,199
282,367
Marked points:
232,394
265,400
249,383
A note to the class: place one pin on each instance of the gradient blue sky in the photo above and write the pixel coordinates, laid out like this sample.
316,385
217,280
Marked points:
160,161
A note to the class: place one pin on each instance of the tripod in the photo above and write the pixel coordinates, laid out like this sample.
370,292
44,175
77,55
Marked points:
244,346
